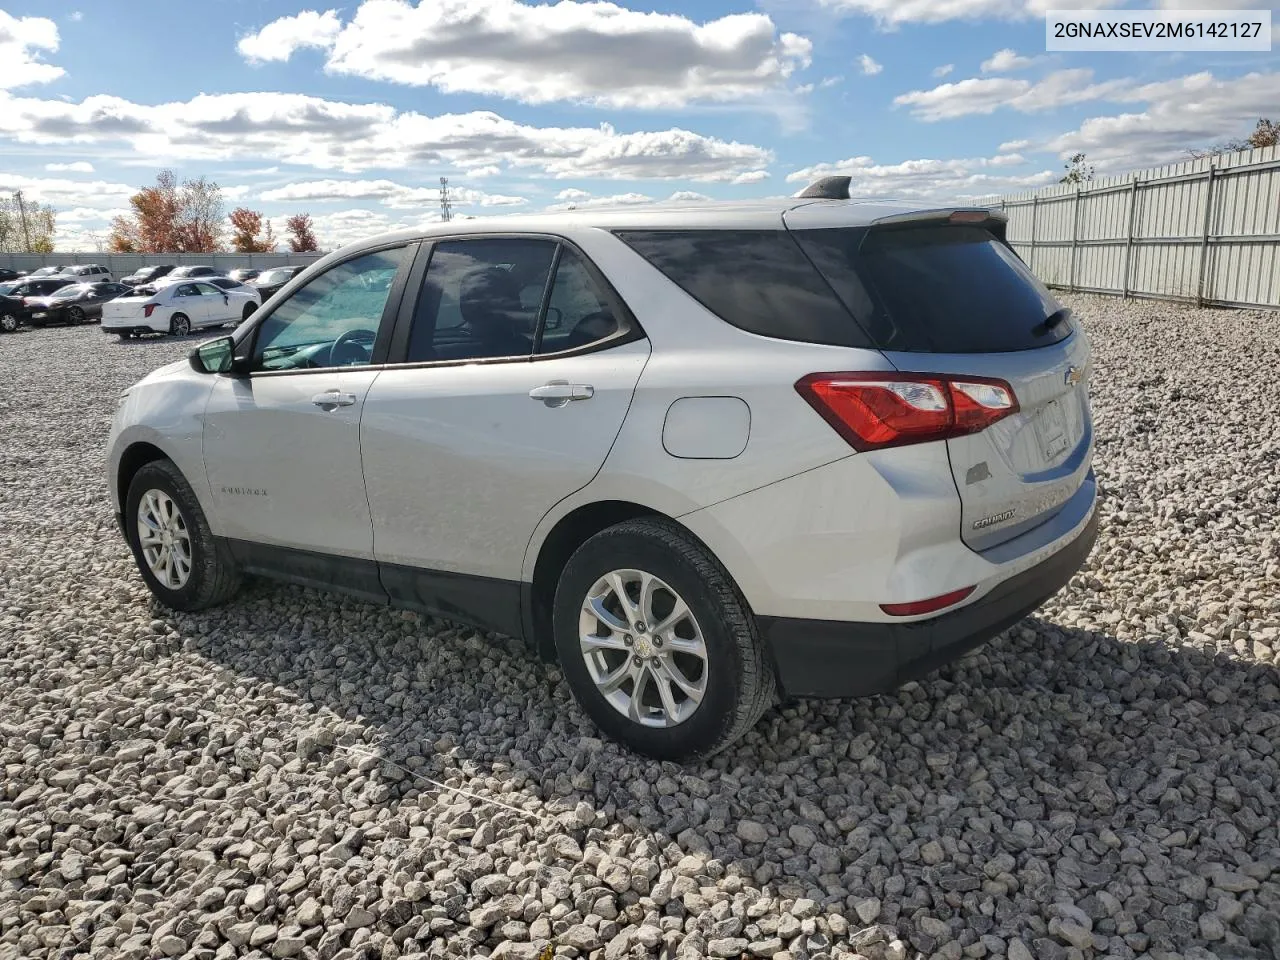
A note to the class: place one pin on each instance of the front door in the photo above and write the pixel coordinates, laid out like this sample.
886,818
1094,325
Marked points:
188,301
463,459
282,445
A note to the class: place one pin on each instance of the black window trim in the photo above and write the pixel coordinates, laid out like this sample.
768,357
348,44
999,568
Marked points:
629,331
246,342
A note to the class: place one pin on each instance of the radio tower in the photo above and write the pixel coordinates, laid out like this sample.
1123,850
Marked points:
446,209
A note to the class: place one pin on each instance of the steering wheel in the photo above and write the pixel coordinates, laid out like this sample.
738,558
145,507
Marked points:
348,349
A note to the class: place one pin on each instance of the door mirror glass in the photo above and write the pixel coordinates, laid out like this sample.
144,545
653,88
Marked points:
216,356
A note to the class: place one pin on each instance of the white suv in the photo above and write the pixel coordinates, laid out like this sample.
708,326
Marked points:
89,273
705,457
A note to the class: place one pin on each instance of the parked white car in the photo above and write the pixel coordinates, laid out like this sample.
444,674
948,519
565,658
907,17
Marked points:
704,457
177,308
88,273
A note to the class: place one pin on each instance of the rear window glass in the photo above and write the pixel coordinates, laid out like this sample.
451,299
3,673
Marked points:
938,289
757,280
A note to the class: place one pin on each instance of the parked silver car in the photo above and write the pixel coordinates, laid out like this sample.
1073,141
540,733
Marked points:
703,456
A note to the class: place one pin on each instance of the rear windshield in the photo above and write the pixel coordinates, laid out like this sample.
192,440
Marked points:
757,280
275,276
934,289
937,289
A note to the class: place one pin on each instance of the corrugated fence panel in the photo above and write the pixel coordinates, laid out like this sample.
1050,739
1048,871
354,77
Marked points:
123,264
1205,230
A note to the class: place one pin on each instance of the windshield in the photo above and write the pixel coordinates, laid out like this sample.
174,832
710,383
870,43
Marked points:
68,293
7,288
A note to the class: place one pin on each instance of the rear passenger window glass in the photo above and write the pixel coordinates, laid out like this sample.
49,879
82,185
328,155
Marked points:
480,299
578,313
757,280
938,289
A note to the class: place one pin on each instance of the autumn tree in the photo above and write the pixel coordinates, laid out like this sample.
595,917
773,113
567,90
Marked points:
171,218
1265,134
302,238
26,227
248,235
1079,170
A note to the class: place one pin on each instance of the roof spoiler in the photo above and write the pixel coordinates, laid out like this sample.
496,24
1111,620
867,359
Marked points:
828,188
984,215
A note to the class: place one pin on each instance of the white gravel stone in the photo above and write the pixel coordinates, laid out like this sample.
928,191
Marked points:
301,775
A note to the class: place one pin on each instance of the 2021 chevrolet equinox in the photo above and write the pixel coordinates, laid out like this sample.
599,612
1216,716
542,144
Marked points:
703,456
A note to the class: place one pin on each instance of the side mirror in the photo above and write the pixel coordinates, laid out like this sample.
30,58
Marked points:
215,356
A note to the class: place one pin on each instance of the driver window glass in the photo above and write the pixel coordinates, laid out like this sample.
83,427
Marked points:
480,299
343,304
577,314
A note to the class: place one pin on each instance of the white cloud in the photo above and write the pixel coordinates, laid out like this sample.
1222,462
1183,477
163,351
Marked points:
279,39
575,198
593,52
891,13
79,166
939,180
1004,61
398,196
75,16
943,70
989,94
353,137
1178,114
96,194
340,227
20,40
751,176
829,82
868,66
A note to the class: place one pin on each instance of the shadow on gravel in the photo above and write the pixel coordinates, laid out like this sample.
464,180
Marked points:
1135,780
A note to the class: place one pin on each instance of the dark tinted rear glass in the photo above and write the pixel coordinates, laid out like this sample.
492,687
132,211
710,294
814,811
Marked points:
937,289
757,280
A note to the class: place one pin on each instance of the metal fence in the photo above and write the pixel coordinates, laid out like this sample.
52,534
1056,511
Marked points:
123,264
1204,231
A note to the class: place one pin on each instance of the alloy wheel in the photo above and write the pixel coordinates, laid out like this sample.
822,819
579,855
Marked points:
8,323
643,648
164,539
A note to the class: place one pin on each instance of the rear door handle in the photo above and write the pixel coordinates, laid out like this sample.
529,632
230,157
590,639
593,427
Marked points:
559,392
332,399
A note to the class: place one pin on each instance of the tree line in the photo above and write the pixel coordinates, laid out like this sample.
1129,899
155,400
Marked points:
26,227
189,217
1265,134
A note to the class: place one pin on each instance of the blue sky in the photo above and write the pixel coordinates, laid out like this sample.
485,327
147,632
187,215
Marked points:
353,113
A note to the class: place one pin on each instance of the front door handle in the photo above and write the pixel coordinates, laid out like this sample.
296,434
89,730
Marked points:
559,392
332,399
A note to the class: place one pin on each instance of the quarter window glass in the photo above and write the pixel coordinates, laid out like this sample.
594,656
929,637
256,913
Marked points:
332,321
577,314
480,299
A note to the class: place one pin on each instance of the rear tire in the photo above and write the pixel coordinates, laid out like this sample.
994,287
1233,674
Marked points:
711,662
202,573
8,323
76,316
179,325
248,311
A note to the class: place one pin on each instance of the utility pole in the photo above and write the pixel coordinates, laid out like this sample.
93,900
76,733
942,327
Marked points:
22,216
446,209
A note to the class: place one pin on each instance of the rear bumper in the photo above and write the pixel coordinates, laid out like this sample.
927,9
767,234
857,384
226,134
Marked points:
830,659
128,328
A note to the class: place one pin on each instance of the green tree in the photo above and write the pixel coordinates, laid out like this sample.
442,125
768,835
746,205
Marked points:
1078,170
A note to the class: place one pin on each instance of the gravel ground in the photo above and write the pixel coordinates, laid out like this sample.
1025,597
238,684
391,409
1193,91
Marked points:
298,775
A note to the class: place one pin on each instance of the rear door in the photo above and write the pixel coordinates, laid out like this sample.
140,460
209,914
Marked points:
485,424
950,297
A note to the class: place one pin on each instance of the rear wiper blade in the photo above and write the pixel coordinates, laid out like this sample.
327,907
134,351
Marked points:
1051,321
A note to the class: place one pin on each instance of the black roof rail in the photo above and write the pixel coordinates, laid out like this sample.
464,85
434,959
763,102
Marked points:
828,188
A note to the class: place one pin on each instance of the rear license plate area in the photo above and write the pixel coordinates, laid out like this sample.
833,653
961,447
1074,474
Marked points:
1051,429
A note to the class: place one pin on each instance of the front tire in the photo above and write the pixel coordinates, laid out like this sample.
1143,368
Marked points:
76,316
248,311
686,686
180,560
179,325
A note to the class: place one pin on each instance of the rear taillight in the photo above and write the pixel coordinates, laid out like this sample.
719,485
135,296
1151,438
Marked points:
149,309
876,410
916,607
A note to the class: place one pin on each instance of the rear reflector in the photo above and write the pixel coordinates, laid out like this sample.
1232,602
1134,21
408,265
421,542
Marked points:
916,607
877,410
